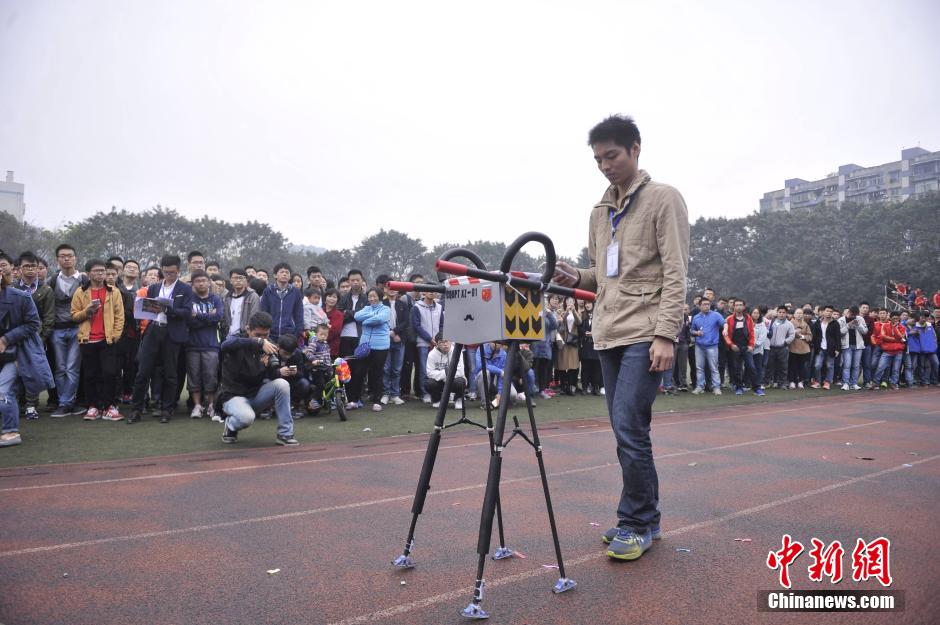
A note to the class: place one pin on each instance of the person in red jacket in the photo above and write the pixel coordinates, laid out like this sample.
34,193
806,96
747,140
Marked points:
739,337
936,299
893,339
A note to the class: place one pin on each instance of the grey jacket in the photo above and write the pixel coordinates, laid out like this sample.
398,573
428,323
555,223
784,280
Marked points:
783,333
252,304
861,330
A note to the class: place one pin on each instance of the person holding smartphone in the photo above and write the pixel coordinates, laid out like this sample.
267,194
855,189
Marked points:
98,309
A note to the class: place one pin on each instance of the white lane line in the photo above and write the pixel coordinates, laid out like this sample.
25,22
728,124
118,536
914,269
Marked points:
361,504
250,467
455,595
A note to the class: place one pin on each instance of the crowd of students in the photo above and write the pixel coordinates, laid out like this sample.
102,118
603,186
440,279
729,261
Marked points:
250,343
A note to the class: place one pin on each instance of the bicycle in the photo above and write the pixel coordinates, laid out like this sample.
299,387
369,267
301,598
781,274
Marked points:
334,390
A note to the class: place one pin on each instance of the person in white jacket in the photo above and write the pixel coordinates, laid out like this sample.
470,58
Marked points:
438,360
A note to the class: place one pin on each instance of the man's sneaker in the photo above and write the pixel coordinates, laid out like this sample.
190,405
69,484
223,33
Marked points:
655,531
32,413
229,436
628,545
126,398
799,385
135,417
376,407
436,404
792,386
716,391
856,387
165,416
10,438
603,392
458,405
895,387
314,405
739,391
426,399
210,412
384,400
698,390
760,392
814,384
352,405
196,413
287,440
884,385
358,404
520,397
825,386
398,401
112,414
91,414
545,395
472,396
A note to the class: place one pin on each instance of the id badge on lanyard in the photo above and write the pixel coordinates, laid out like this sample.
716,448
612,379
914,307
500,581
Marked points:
613,250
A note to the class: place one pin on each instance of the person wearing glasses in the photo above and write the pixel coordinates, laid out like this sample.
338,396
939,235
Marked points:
64,283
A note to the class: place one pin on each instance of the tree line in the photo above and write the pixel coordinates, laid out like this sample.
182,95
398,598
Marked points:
824,255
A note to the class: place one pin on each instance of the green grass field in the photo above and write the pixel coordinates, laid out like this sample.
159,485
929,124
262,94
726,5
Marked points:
70,439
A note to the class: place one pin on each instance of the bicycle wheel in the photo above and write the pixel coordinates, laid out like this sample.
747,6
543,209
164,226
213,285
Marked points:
339,398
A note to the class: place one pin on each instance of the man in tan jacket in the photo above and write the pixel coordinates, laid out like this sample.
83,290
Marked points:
638,245
98,309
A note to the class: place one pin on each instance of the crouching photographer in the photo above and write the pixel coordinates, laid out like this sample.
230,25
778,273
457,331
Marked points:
253,380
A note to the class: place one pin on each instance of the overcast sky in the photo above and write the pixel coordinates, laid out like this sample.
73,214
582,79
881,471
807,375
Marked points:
448,121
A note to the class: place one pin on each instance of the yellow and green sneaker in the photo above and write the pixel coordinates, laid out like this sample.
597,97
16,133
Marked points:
629,545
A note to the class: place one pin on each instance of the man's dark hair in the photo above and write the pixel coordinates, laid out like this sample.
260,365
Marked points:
64,246
341,281
247,267
159,271
42,261
282,265
199,273
353,272
414,277
620,129
171,260
311,290
894,313
736,300
829,307
213,263
383,278
257,285
439,337
131,260
854,310
6,257
260,321
864,303
96,262
111,259
238,271
194,254
287,342
27,257
704,299
763,310
915,315
783,307
708,288
313,269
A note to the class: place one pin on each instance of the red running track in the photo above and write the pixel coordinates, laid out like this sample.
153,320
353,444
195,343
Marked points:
188,539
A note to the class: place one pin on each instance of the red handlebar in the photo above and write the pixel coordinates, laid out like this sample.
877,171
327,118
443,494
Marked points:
454,268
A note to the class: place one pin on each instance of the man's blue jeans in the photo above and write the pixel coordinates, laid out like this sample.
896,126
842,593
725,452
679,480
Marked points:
631,390
709,356
830,366
68,363
867,369
422,365
241,411
8,404
851,361
889,360
391,375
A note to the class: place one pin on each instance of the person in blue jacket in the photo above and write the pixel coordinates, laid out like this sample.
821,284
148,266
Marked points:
922,344
19,340
285,303
706,328
374,318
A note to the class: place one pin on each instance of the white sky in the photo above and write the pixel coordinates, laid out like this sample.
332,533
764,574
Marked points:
448,121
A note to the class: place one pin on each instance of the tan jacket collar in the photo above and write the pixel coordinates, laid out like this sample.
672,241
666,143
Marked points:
611,196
